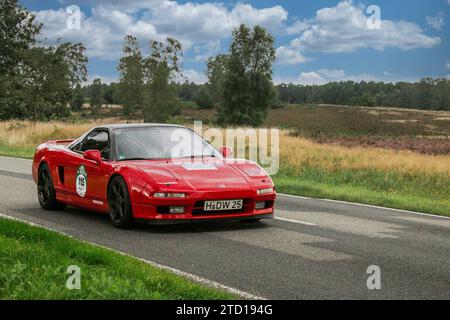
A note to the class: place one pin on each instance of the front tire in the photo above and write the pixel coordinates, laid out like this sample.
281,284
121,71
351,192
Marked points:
46,190
119,204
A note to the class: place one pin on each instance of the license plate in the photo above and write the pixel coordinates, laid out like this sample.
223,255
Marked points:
219,205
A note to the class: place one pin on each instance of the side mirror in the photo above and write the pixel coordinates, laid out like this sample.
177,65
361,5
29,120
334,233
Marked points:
226,151
93,155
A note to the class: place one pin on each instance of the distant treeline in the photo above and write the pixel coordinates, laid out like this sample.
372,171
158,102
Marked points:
428,94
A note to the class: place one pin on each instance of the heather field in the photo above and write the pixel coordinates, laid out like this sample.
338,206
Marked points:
353,164
426,132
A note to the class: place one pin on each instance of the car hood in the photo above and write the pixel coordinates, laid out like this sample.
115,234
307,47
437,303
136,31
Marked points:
199,175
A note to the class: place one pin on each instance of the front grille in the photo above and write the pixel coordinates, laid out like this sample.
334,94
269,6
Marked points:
199,205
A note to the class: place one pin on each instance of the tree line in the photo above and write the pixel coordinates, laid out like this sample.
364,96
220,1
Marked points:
428,94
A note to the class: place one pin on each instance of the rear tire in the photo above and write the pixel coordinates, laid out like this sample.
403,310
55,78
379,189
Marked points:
119,204
46,190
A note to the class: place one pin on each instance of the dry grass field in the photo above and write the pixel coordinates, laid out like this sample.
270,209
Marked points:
295,151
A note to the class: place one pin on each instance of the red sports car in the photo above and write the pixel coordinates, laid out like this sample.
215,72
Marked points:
154,172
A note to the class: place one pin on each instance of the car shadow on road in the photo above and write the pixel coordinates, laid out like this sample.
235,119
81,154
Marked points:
202,226
79,216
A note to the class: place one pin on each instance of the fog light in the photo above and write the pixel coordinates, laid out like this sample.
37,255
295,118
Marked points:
179,209
260,205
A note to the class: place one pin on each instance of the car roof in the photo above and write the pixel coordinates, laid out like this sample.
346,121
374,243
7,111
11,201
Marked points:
137,125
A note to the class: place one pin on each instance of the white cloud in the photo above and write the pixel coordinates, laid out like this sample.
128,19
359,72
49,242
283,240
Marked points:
194,24
436,22
104,79
447,65
102,33
298,27
343,28
206,50
322,76
287,56
270,18
192,75
211,21
129,6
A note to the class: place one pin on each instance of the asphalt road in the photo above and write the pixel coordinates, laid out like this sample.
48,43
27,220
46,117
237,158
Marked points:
314,249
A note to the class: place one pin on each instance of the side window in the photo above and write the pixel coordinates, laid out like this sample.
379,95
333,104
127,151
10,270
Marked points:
97,140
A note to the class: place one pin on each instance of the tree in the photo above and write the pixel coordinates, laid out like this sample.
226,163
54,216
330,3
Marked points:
77,99
159,70
109,93
18,31
35,80
247,83
96,96
203,98
131,82
187,90
49,76
216,68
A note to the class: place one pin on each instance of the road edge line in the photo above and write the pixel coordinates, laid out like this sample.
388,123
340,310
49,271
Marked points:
364,205
184,274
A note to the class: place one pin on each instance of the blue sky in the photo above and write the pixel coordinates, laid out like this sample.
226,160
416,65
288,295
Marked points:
316,41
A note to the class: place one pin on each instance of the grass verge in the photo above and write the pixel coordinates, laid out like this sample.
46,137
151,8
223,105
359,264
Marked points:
34,261
393,191
19,152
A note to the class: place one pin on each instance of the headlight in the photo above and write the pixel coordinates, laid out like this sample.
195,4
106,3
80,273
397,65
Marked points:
169,195
265,191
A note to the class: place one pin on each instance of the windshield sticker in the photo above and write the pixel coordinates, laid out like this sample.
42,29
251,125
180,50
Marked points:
81,181
198,166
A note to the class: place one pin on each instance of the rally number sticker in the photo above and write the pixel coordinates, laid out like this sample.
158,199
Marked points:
81,181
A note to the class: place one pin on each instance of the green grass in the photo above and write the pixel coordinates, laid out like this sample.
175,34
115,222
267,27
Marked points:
19,152
34,261
428,194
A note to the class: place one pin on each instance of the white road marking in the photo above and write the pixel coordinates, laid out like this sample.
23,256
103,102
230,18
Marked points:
190,276
364,205
295,221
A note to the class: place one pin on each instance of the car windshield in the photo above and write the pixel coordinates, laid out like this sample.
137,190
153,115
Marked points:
160,143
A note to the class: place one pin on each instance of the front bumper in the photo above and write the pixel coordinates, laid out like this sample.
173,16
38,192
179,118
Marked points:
155,210
209,219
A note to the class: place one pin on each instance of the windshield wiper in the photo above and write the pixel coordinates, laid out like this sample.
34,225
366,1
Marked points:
203,155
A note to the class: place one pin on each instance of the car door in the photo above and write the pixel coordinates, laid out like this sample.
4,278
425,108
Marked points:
87,180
